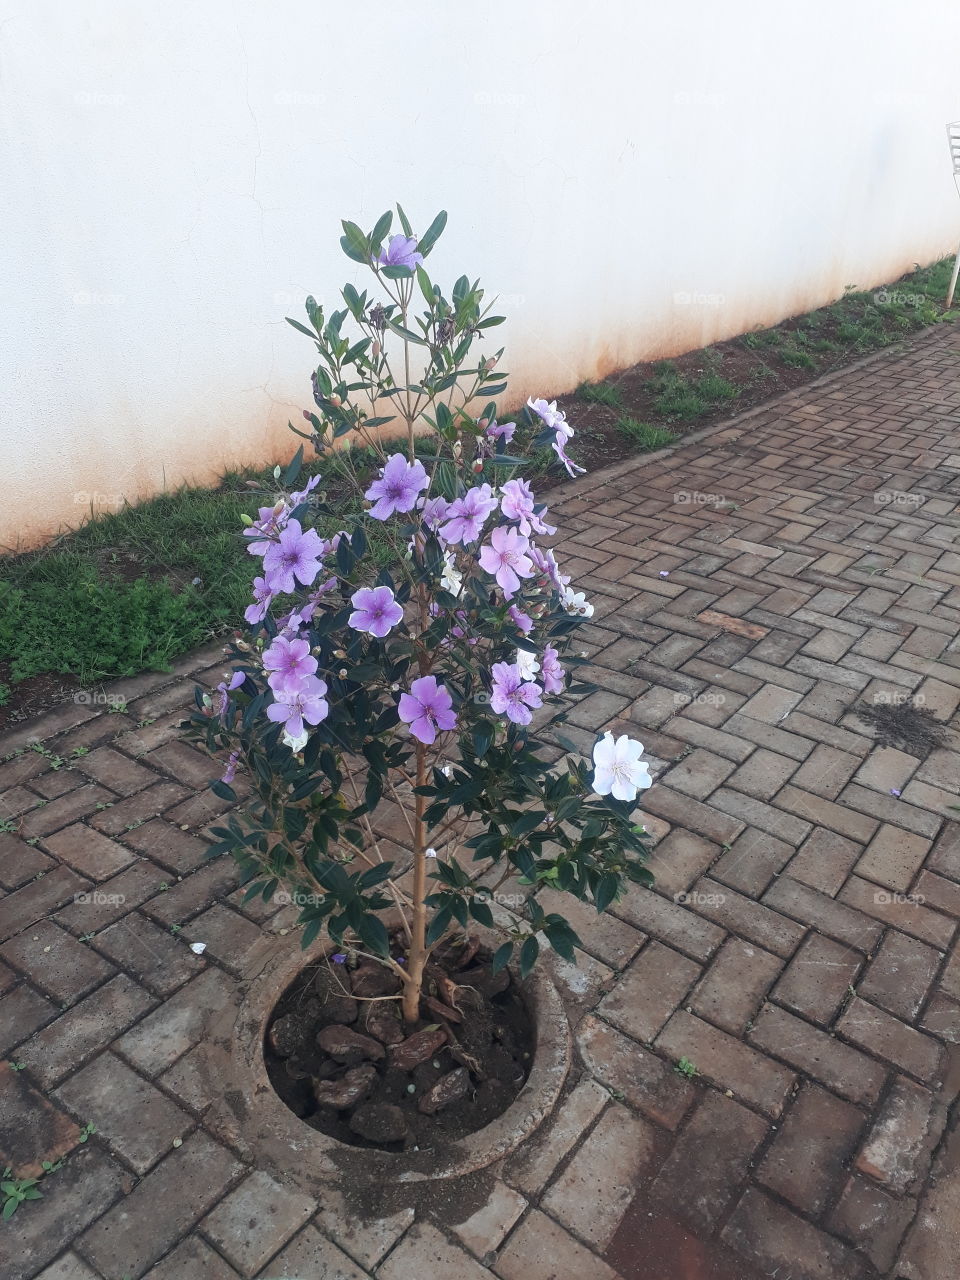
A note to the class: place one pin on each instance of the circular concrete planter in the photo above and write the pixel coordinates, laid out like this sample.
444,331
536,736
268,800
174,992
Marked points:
254,1119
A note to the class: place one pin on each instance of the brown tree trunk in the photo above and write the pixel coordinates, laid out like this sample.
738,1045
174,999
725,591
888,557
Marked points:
417,957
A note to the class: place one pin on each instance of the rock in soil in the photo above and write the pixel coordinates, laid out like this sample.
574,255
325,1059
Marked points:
379,1122
487,983
383,1024
346,1093
441,1010
349,1046
449,1088
341,1009
286,1035
370,980
416,1048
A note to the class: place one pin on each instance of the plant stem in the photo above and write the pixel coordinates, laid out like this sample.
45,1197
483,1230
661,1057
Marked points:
417,957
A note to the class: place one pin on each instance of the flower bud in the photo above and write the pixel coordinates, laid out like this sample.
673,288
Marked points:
483,423
336,401
343,673
492,361
339,653
457,449
278,509
375,350
246,520
478,466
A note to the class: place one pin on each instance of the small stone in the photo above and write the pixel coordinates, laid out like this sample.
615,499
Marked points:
347,1092
349,1046
340,1009
487,983
285,1035
383,1024
371,980
448,1089
417,1048
379,1122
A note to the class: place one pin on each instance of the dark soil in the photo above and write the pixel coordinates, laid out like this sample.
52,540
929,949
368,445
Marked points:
903,725
340,1058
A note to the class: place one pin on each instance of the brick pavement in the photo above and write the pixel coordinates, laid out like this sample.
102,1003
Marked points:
752,587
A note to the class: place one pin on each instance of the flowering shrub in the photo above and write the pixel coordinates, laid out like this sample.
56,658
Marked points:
417,683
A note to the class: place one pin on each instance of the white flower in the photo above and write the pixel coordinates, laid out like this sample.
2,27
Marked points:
618,769
429,853
447,771
452,579
527,664
296,745
576,602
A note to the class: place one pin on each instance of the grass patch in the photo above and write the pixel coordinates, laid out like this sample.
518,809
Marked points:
680,396
600,393
643,436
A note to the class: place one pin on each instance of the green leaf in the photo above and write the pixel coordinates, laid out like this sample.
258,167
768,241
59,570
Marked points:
432,233
438,925
354,243
481,912
404,222
222,790
396,272
382,229
606,890
293,470
374,935
302,328
528,955
501,957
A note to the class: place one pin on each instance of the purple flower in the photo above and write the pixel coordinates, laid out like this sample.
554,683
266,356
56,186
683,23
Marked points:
375,611
466,516
511,695
506,559
552,673
434,512
290,661
501,431
292,706
427,708
522,621
559,448
269,522
262,595
398,488
295,558
231,770
518,505
308,488
224,690
400,252
546,563
338,957
551,416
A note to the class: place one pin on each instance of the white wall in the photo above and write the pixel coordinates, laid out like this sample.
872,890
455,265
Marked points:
172,177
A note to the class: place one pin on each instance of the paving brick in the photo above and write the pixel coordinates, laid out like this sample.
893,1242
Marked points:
174,849
116,771
96,909
683,811
844,1070
177,1025
824,861
669,922
780,1241
709,1161
137,808
192,1260
645,1081
21,909
887,1037
678,860
742,915
820,731
189,896
604,936
699,773
945,858
733,988
255,1221
230,938
779,740
886,769
649,991
89,852
900,974
812,1148
826,771
22,1011
692,731
593,1192
763,774
728,1062
312,1254
161,1208
932,1245
943,895
32,1129
64,810
86,1186
893,858
824,813
483,1232
872,1220
853,928
752,861
538,1249
137,1122
366,1241
888,808
756,813
818,979
69,1267
906,1130
899,910
185,764
20,862
55,962
771,704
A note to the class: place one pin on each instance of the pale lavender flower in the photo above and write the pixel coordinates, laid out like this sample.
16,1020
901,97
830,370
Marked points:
301,703
434,512
231,770
546,563
618,769
553,673
338,958
294,558
501,431
300,495
289,662
511,695
427,708
376,611
522,621
224,690
400,251
507,560
518,504
262,595
559,448
398,488
551,416
466,516
264,530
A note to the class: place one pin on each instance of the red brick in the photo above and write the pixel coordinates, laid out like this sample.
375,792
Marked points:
189,896
111,899
812,1148
893,858
60,813
742,915
779,1241
844,1070
649,991
116,771
699,773
162,961
645,1081
942,895
817,909
679,859
172,848
872,1220
824,861
900,974
755,813
908,915
309,1254
20,862
826,772
824,813
32,1130
23,1011
771,704
178,1024
255,1220
603,935
669,922
185,764
139,807
709,1161
535,1251
21,909
56,783
55,962
733,988
89,852
886,1037
537,1160
763,774
818,979
886,769
752,861
906,1130
230,938
195,1260
945,857
682,811
728,1062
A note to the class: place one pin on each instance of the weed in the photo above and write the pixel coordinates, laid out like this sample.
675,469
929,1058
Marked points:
797,359
686,1068
643,436
8,826
600,393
